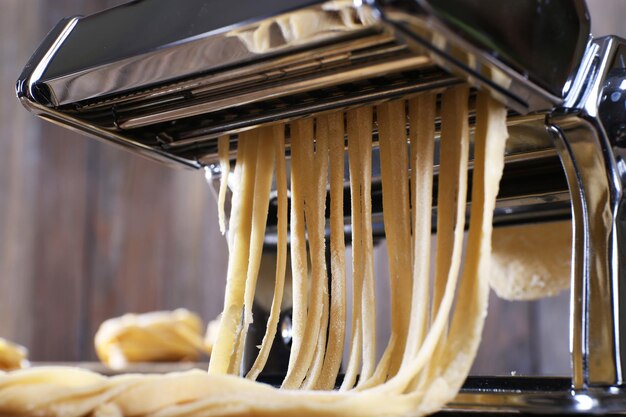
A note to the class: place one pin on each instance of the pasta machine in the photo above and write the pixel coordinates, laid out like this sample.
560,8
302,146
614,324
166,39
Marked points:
166,80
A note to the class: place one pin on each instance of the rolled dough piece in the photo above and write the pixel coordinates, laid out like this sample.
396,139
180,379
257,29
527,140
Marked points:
531,261
157,336
12,355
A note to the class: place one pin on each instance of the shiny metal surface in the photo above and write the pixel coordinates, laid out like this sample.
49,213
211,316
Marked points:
535,396
26,85
461,59
77,74
65,120
317,47
546,40
210,51
258,71
281,90
591,159
591,325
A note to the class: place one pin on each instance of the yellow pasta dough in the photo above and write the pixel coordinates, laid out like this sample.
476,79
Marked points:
157,336
531,261
281,258
433,340
222,150
337,313
12,356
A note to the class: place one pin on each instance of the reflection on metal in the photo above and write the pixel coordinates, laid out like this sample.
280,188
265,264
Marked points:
592,326
65,120
285,330
535,396
591,158
190,56
281,90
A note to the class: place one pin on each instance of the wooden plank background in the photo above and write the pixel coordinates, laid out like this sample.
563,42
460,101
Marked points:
88,231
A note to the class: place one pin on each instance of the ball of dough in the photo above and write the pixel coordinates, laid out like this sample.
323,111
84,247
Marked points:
531,261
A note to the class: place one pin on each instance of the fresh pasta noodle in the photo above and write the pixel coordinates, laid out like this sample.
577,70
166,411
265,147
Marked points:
337,314
320,349
471,307
363,340
262,188
395,178
368,308
238,261
301,134
281,260
422,130
434,338
451,197
315,208
222,151
323,132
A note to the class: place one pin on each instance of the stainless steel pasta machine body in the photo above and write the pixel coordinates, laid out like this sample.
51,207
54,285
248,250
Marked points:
166,85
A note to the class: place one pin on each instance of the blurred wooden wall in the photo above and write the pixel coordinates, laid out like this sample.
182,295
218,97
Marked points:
89,231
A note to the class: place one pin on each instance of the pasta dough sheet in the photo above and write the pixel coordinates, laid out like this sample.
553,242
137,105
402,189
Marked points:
157,336
531,261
